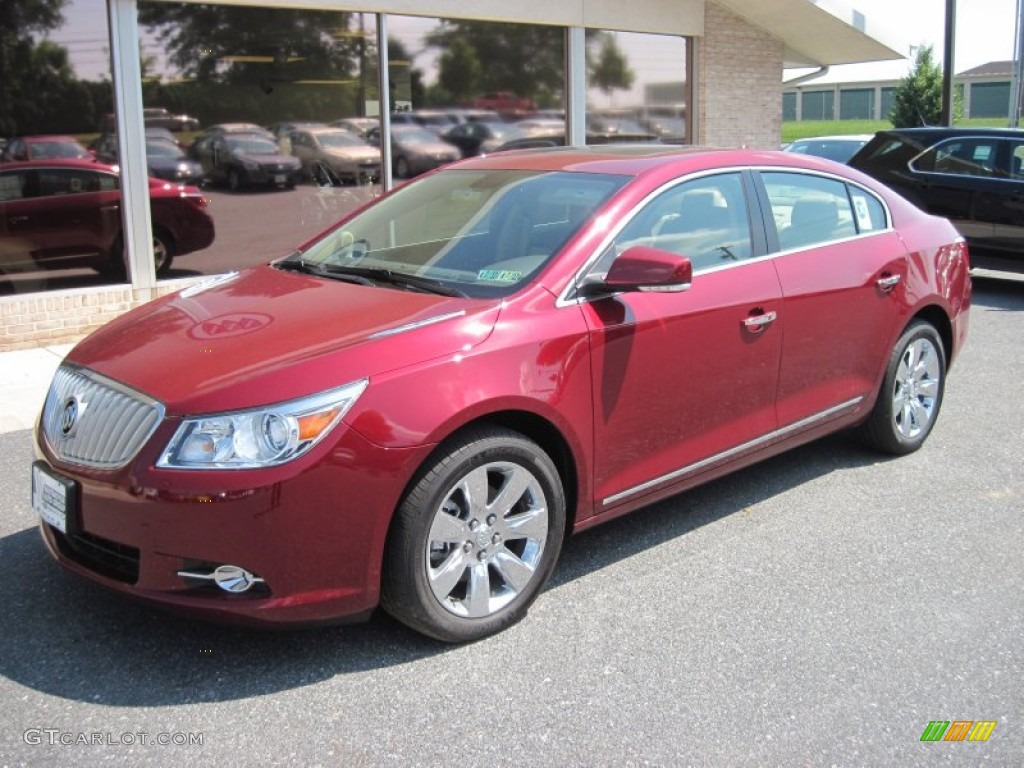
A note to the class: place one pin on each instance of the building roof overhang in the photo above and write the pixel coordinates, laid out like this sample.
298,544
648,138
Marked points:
820,33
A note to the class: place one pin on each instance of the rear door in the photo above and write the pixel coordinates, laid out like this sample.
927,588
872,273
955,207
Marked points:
842,270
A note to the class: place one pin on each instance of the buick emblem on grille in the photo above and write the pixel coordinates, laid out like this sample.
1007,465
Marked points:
73,410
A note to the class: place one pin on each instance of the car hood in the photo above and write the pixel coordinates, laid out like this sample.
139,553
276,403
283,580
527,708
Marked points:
355,153
169,163
267,336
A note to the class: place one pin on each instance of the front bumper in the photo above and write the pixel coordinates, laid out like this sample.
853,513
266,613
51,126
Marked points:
316,537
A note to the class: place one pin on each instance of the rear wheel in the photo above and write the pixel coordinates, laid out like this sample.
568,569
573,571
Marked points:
163,254
911,395
476,538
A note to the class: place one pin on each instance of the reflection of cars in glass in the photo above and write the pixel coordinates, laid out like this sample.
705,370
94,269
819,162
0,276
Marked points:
479,138
416,150
838,148
360,126
246,159
164,158
414,408
280,130
44,148
164,118
344,154
972,176
67,213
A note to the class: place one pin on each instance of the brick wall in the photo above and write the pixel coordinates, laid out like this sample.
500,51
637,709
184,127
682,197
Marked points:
739,83
59,317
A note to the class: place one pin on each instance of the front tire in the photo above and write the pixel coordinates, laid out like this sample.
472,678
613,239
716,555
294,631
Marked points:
911,395
235,180
475,540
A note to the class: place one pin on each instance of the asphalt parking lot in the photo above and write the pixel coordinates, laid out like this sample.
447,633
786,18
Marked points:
821,608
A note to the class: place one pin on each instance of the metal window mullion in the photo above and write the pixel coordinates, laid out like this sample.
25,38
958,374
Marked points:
127,80
576,82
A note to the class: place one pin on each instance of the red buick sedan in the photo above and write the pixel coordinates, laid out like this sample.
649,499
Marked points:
57,214
415,408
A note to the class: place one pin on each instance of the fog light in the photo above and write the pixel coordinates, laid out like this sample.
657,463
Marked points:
230,578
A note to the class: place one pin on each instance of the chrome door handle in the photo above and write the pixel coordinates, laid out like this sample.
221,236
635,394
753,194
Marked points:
757,323
887,283
17,219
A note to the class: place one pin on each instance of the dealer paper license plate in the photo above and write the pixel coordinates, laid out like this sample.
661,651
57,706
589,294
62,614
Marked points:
52,497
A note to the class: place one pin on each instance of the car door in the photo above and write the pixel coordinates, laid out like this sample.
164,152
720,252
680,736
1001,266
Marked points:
842,270
1003,205
954,179
682,381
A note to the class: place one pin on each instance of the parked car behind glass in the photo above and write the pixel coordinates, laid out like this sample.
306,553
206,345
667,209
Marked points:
838,148
67,213
245,160
972,176
416,407
165,159
44,148
415,150
347,156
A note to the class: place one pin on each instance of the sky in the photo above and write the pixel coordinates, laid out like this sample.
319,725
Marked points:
984,33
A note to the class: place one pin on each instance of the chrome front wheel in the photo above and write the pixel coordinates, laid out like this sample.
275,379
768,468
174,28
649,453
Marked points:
476,538
486,539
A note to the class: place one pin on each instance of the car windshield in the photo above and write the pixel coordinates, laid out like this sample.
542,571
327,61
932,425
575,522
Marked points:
481,233
253,145
161,148
46,149
340,138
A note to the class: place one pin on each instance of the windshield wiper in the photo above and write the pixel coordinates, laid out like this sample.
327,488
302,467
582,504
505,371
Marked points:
372,275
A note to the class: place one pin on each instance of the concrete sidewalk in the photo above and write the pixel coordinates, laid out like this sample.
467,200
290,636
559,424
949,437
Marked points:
24,378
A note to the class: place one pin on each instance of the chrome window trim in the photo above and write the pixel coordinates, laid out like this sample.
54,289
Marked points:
565,298
747,447
842,179
967,137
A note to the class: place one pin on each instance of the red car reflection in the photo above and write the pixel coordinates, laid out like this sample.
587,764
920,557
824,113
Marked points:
416,407
67,213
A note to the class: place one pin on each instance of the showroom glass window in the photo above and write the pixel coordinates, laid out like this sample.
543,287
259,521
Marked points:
54,94
477,85
227,84
638,87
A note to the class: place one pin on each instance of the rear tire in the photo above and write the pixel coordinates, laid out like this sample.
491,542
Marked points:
475,540
911,395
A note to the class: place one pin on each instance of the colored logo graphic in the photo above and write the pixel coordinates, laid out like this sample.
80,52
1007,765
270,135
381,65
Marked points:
958,730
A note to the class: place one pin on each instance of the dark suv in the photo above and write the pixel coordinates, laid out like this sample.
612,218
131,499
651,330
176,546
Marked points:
972,176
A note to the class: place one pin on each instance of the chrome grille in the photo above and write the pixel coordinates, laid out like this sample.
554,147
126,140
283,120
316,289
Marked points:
92,421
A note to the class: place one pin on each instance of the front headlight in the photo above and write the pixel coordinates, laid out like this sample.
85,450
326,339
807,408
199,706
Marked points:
259,437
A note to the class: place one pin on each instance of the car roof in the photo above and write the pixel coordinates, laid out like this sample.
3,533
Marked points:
845,137
661,162
945,131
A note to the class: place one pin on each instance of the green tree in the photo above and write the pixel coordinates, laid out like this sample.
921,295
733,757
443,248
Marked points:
20,22
460,71
528,60
261,64
917,99
609,70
